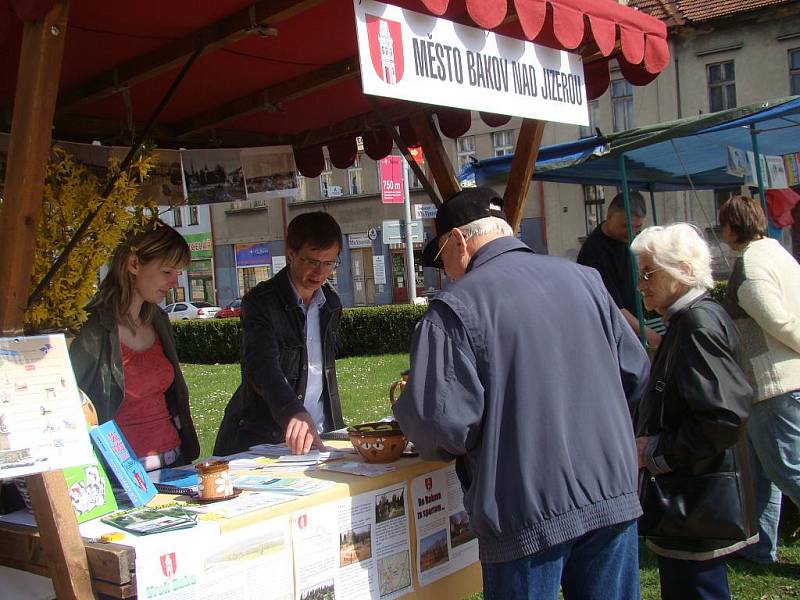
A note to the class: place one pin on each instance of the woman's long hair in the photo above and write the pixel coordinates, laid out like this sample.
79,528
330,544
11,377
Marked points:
157,241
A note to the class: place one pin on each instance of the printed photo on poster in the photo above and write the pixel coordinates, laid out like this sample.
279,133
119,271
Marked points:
323,591
433,550
355,545
213,176
390,505
460,533
269,172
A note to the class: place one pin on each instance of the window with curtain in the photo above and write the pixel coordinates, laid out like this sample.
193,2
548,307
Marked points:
721,86
621,105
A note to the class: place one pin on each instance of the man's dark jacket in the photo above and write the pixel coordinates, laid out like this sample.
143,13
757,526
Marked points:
275,366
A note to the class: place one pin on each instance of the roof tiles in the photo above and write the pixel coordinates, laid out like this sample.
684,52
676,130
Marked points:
701,10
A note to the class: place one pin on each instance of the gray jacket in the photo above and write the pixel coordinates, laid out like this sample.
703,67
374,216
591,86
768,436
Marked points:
523,370
97,361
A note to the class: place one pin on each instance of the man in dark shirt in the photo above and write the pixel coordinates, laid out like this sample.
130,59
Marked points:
607,250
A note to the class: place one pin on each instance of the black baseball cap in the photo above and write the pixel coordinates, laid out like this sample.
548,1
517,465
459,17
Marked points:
468,205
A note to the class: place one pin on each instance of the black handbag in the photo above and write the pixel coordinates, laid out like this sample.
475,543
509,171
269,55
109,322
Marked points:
710,506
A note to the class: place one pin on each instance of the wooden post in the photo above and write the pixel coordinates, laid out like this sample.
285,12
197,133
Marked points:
441,167
519,178
34,103
37,87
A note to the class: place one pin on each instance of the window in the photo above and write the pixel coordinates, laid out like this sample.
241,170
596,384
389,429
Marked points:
593,201
621,105
794,71
720,197
465,151
326,180
354,177
176,216
721,86
589,130
193,219
503,142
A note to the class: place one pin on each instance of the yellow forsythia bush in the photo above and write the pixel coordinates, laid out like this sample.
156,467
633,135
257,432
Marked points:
71,192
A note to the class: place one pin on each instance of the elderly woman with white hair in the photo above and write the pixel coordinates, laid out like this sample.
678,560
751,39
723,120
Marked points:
695,485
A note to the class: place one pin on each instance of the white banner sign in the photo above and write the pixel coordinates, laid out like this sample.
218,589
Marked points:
379,270
411,56
424,211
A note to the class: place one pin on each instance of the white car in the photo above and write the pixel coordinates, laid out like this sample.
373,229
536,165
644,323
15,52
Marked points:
183,311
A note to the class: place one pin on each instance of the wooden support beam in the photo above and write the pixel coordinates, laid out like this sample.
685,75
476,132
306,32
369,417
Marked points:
37,87
519,177
28,148
219,34
442,169
270,98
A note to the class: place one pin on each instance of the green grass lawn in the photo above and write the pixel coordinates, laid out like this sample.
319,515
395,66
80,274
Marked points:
364,390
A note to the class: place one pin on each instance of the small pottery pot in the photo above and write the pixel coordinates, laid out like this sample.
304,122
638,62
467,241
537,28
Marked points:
378,442
215,480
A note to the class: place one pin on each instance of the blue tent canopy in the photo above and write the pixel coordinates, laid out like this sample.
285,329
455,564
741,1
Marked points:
676,155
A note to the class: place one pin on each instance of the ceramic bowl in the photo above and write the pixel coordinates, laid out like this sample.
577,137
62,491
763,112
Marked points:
380,442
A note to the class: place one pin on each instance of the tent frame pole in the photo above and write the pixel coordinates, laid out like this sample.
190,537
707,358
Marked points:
653,205
634,266
759,174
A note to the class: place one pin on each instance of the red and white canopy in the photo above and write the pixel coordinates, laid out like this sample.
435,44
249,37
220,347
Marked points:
285,71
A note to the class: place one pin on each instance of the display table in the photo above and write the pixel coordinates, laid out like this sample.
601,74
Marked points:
113,565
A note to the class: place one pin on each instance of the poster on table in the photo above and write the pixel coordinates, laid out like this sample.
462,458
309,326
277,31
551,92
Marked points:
356,548
213,176
445,543
411,56
42,426
269,172
202,564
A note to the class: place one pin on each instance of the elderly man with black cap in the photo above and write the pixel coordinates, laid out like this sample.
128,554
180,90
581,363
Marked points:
523,370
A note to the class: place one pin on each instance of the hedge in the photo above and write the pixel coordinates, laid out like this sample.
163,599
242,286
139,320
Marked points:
367,331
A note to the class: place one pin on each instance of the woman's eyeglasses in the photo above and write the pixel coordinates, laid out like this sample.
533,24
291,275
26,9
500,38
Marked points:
327,265
646,275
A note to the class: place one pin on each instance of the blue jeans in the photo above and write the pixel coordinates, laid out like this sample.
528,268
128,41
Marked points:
601,565
773,432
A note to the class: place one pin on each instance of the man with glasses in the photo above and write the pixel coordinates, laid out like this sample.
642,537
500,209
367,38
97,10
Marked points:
607,249
522,370
289,325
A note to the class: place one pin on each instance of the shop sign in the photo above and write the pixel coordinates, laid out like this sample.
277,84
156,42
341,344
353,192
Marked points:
420,58
359,240
391,169
424,211
199,244
252,255
394,232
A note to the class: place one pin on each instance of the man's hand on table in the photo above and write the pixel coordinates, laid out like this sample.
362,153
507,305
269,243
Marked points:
301,434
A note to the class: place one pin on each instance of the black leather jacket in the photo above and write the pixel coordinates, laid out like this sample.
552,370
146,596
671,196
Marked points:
274,366
697,402
97,361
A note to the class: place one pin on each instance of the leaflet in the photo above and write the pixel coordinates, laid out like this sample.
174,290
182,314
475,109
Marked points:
357,548
445,543
42,426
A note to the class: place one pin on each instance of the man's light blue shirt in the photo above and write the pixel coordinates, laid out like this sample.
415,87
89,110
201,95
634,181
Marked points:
312,400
